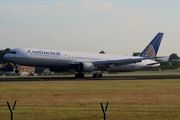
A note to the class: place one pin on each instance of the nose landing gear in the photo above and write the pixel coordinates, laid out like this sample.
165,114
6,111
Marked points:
16,69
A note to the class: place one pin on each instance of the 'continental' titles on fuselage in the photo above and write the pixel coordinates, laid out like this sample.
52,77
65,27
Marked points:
42,52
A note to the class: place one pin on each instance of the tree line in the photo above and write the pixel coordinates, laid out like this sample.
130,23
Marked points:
2,53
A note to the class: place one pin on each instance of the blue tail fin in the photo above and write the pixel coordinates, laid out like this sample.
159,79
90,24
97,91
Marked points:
152,48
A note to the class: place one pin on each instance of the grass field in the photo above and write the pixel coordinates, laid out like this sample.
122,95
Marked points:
80,100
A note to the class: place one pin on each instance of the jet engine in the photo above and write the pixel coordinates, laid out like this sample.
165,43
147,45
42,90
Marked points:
85,67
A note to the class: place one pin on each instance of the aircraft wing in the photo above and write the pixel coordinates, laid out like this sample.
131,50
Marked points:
117,62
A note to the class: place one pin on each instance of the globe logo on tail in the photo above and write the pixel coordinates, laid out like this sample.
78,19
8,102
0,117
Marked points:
149,52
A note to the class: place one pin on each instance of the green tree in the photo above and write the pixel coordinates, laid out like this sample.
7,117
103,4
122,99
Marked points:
102,52
2,53
173,56
136,53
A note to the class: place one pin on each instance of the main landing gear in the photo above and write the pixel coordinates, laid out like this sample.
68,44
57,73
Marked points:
97,75
81,75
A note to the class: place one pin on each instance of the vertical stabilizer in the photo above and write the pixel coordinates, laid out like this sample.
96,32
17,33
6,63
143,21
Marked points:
152,48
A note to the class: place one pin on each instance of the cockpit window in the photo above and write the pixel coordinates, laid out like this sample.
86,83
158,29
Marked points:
13,52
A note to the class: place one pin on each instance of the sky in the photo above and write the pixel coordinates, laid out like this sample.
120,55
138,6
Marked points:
116,26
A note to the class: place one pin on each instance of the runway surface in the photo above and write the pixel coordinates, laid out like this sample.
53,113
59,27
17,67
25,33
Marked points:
144,77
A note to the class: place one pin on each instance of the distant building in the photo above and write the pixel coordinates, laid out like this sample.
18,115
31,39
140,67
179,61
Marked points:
29,69
42,70
10,67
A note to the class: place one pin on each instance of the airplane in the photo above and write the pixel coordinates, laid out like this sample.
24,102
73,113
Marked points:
81,62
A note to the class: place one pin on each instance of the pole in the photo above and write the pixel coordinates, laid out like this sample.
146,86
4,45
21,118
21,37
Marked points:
104,110
12,110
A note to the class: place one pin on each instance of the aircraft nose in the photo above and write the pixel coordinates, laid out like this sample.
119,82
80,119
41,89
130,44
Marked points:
5,56
8,56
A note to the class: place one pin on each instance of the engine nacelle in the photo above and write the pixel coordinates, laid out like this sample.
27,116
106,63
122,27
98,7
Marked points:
86,67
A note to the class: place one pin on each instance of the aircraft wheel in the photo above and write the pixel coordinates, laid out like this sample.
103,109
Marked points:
97,75
100,75
94,75
81,75
16,71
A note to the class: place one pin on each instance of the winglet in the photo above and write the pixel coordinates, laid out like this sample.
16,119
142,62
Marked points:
152,48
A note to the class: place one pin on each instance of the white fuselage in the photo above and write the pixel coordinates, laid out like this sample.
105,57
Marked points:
59,58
